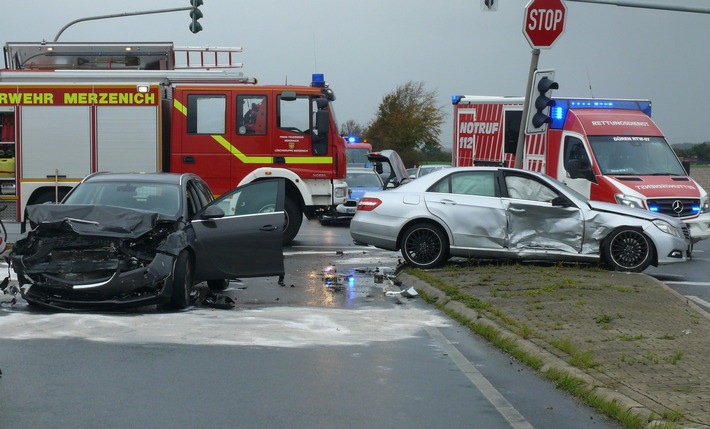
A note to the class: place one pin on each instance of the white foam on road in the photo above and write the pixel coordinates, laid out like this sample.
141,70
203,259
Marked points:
268,327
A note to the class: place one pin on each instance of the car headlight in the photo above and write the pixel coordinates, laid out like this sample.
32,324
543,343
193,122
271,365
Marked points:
667,228
704,206
341,192
629,201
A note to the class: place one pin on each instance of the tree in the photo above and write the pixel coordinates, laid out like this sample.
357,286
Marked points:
409,122
352,128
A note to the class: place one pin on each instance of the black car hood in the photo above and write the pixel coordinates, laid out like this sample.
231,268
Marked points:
104,221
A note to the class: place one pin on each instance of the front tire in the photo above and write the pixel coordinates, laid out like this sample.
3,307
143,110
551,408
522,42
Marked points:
182,282
292,223
50,196
629,250
425,246
218,285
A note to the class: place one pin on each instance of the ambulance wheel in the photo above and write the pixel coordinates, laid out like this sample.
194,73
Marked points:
425,246
628,249
292,223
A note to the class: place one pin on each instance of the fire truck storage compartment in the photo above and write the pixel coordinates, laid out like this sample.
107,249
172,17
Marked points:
55,139
127,138
7,150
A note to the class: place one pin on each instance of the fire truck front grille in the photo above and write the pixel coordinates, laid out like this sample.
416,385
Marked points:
676,207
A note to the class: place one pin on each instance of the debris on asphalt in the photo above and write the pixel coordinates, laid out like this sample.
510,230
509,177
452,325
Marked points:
219,300
10,290
407,293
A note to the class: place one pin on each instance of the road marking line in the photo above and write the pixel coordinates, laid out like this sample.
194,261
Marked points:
516,420
698,300
689,283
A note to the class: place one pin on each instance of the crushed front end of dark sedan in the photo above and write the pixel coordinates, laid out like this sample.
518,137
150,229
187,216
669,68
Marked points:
95,257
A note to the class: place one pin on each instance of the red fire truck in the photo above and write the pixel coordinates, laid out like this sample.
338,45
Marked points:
357,152
609,150
70,109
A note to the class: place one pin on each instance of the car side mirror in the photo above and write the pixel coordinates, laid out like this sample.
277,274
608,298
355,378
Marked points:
561,201
580,169
212,212
686,167
322,122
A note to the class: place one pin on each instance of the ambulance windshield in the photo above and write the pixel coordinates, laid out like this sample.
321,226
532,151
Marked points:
635,156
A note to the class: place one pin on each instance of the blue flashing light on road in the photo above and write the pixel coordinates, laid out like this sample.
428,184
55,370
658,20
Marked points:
352,139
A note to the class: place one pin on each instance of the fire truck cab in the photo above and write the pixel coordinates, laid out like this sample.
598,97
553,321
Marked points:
71,109
606,149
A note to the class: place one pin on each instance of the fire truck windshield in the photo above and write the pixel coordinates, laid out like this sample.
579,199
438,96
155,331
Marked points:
636,156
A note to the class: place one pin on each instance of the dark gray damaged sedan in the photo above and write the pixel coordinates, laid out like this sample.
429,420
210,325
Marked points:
134,239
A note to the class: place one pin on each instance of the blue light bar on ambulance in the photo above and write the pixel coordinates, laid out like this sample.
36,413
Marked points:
654,208
455,99
318,80
558,112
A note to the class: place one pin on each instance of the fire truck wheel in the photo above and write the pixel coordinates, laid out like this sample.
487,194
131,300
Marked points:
182,282
49,197
425,246
218,284
628,249
292,223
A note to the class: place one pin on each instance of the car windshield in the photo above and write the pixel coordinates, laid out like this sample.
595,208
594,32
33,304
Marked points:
628,155
357,155
157,197
363,180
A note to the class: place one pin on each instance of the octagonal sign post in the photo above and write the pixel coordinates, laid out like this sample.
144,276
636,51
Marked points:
544,22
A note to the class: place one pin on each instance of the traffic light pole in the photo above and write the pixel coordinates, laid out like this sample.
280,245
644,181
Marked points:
520,149
119,15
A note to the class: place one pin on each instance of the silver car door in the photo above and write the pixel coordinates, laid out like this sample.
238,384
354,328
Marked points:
468,203
535,224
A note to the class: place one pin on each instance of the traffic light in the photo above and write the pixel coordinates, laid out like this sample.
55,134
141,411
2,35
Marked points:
489,5
196,14
539,110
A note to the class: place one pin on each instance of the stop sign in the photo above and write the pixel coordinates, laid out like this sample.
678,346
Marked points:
544,22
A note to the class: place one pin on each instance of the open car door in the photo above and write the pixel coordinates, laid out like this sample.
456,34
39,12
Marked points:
390,167
240,233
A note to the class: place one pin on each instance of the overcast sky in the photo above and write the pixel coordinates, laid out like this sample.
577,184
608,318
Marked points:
366,48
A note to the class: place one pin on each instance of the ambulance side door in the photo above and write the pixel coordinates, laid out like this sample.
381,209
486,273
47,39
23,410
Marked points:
575,167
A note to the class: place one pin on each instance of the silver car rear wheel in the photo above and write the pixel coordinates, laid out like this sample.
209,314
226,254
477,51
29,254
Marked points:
425,246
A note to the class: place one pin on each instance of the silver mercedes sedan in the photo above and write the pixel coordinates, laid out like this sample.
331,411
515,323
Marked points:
495,212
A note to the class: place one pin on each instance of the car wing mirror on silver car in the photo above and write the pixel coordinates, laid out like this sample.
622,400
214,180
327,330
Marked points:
561,201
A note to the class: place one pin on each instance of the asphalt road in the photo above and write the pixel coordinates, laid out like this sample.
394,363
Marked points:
320,350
